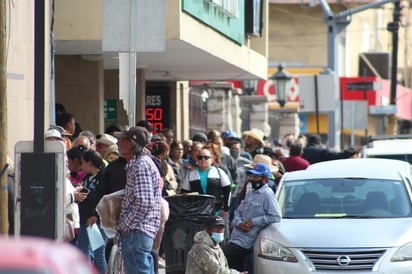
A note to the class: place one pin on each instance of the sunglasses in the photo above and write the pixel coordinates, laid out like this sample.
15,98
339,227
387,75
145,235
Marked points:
203,157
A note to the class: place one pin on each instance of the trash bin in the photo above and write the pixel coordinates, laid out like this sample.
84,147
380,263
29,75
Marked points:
188,214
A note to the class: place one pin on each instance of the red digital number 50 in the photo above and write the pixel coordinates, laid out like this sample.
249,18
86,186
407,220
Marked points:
154,114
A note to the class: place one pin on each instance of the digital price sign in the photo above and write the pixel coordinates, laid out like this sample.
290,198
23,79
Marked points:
157,108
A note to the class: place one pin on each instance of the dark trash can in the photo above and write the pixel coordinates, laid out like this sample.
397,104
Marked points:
188,214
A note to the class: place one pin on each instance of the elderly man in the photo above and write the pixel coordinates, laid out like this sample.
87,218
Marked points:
140,213
104,142
83,141
258,210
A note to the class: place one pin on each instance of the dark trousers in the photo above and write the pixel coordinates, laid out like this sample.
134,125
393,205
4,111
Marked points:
236,256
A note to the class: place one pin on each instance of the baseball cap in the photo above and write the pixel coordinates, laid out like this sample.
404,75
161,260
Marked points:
229,134
138,134
215,221
260,169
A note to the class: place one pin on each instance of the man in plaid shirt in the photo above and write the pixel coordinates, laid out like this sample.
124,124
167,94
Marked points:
140,213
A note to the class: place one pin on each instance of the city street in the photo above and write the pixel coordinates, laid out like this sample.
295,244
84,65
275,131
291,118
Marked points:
283,126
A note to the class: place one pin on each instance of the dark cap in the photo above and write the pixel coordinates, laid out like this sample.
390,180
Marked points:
270,152
199,137
138,134
215,221
147,125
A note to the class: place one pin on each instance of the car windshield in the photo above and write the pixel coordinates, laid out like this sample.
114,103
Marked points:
344,198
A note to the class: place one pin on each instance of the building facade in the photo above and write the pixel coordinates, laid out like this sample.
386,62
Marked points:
299,39
113,69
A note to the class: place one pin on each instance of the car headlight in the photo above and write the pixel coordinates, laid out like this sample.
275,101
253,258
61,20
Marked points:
404,253
274,251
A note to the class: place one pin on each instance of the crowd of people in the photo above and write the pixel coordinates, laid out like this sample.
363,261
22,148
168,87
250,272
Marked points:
241,172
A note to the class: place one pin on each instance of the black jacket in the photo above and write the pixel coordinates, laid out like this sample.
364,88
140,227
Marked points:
315,154
87,208
114,178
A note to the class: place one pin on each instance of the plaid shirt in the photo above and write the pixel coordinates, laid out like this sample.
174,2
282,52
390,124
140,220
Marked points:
141,205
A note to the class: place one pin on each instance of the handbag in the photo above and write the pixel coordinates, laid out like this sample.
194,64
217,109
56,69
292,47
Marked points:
68,228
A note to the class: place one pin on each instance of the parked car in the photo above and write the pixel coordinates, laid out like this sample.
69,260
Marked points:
342,216
396,147
30,255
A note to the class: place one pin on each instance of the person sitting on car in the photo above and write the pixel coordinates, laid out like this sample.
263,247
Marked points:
258,210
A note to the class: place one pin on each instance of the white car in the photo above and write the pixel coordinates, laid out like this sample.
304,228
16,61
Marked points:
342,216
396,147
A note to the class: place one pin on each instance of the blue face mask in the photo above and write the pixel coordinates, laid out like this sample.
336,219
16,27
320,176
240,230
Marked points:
217,237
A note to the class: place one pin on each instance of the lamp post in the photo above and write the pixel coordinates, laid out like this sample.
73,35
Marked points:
249,86
281,80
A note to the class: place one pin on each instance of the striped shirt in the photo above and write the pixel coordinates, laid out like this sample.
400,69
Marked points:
141,205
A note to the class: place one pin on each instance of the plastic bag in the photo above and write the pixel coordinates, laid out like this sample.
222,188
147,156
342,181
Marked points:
108,209
68,229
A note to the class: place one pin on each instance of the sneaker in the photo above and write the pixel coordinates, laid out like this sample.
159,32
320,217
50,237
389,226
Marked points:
161,263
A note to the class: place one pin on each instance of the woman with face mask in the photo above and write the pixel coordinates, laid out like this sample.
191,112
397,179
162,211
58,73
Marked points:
206,256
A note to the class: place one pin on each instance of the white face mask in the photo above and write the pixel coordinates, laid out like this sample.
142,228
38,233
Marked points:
217,237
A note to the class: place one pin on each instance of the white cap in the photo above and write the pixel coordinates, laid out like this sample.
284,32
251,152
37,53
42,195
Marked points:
53,133
107,139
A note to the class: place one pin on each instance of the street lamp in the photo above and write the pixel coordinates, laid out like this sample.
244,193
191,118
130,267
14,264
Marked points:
249,86
282,81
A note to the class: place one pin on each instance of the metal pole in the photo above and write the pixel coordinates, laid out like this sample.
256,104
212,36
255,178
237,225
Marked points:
362,8
341,117
4,222
39,76
317,104
394,28
132,63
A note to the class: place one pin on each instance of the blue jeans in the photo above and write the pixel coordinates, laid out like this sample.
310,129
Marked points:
136,252
98,255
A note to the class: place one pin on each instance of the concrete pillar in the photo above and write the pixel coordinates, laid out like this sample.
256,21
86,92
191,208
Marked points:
140,94
219,115
257,107
182,113
288,123
236,111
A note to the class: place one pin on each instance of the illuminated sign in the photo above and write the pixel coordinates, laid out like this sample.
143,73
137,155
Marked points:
157,108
